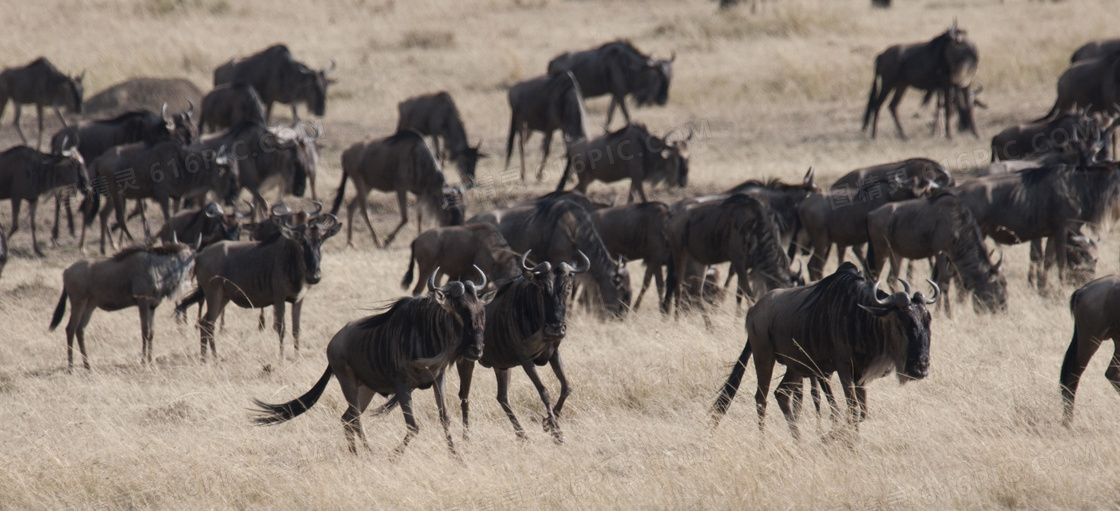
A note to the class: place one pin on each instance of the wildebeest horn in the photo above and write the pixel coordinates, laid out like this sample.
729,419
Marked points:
190,108
318,207
812,172
213,210
329,70
905,286
432,279
583,265
174,237
327,221
800,268
875,293
995,267
252,209
483,274
318,130
672,55
163,113
621,263
928,301
280,209
197,242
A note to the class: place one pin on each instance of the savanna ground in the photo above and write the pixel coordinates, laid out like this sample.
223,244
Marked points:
773,92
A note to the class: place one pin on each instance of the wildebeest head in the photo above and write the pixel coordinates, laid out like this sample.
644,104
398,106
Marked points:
182,125
310,237
227,183
673,161
71,92
69,158
991,294
228,225
905,324
313,87
555,286
467,160
960,55
462,299
652,87
452,207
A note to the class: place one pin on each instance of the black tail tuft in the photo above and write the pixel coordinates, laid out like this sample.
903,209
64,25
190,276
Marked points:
59,311
727,393
275,414
340,195
407,281
196,296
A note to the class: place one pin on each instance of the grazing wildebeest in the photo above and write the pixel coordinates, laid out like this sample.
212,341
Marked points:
1068,133
525,324
229,104
209,224
26,174
279,78
738,229
948,60
1096,317
840,324
135,277
546,104
41,84
143,93
401,163
456,250
1081,258
942,227
409,346
1089,86
638,232
631,152
435,115
557,227
257,274
619,69
1095,50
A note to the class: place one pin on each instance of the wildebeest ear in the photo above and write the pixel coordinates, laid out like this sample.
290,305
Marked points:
488,296
439,296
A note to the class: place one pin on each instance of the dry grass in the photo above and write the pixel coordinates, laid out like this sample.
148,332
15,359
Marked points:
775,92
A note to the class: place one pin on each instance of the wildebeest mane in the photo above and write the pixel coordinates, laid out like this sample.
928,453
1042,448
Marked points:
832,315
524,318
166,249
390,333
548,212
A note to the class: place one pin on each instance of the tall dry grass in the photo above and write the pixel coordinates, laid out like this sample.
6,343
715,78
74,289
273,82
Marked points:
775,92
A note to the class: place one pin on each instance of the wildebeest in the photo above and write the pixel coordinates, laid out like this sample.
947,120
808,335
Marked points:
456,250
1096,315
943,227
409,346
948,60
546,104
301,140
400,163
26,174
638,232
435,115
279,78
1095,49
1089,86
1068,133
229,104
631,152
209,224
783,199
619,69
135,277
840,324
41,84
143,93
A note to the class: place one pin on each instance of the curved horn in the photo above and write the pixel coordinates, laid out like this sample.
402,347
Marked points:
252,209
280,209
875,294
905,286
212,210
316,128
329,70
318,207
163,113
800,268
525,257
480,272
327,221
432,280
174,237
810,174
996,267
584,263
190,108
936,293
198,242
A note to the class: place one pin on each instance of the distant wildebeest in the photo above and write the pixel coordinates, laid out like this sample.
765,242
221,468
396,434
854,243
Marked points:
409,346
619,69
557,227
279,78
456,250
1089,86
545,104
209,224
229,104
26,174
840,324
401,163
1067,133
631,152
435,115
1096,316
638,232
143,93
1095,50
41,84
948,60
942,227
135,277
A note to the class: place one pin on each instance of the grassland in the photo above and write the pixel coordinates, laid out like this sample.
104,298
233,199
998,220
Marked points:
775,92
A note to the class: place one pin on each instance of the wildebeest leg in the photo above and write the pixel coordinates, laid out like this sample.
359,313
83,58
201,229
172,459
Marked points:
147,312
15,217
503,399
764,369
357,398
857,250
645,285
278,306
439,390
549,421
1081,349
32,206
404,396
1036,262
565,390
941,274
402,201
522,134
16,123
86,311
545,146
466,374
948,110
821,247
297,308
861,397
783,394
39,112
215,302
893,106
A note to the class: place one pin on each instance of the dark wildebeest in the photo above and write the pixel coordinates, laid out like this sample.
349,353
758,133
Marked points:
41,84
631,152
26,174
638,232
1094,307
557,227
783,199
1068,133
941,227
546,104
1090,86
435,115
840,324
618,68
400,163
279,78
948,60
407,347
257,274
1095,50
229,104
135,277
303,138
209,224
456,250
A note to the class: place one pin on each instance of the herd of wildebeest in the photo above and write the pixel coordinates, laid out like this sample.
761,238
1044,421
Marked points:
514,272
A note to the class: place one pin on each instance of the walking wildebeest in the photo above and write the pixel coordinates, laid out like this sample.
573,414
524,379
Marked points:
631,152
557,227
229,104
546,104
1096,315
209,224
948,60
1095,49
135,277
403,163
44,85
456,250
638,232
279,78
435,115
26,174
409,346
1089,86
840,324
619,69
1068,133
941,227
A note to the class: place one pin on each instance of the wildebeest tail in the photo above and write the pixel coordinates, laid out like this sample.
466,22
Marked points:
567,173
59,311
727,393
275,414
509,141
340,195
407,281
89,207
871,96
196,296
